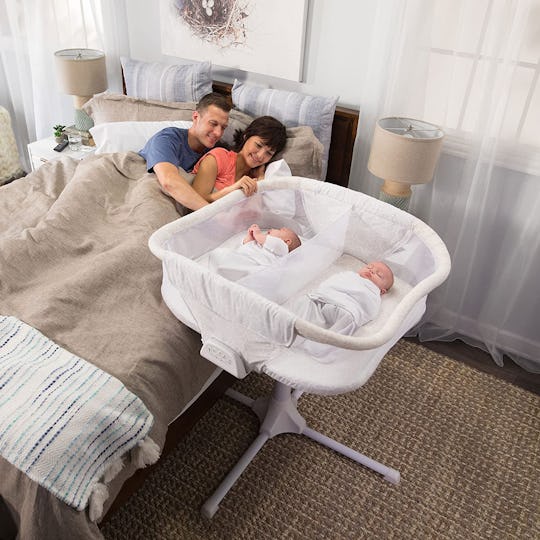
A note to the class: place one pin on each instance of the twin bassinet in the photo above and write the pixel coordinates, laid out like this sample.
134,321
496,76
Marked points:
247,325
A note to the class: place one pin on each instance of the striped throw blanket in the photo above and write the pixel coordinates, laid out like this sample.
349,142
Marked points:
64,422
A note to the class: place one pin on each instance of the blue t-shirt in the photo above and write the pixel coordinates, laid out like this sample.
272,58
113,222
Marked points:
170,145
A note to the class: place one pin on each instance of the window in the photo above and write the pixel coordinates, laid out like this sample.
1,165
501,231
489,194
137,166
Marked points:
473,60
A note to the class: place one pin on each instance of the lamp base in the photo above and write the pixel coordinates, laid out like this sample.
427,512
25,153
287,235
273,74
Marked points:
82,121
396,194
399,202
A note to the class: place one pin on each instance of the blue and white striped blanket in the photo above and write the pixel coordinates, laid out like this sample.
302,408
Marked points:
63,421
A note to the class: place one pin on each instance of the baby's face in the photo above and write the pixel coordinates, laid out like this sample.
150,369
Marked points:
378,273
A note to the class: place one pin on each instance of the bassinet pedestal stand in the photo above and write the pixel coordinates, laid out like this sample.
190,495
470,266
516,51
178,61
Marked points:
279,414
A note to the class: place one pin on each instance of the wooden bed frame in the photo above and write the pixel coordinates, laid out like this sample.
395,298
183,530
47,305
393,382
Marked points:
339,163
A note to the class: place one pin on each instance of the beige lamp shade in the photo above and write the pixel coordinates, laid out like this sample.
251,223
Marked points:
405,150
81,72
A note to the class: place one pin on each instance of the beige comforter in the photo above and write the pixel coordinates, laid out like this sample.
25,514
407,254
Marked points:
74,263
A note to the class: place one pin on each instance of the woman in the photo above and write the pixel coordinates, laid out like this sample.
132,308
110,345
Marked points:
221,171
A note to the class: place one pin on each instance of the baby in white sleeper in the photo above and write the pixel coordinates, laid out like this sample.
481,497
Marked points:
344,302
258,249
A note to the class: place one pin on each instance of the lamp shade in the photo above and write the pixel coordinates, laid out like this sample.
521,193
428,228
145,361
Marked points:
81,72
405,150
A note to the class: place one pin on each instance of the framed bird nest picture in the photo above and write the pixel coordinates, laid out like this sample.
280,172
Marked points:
252,35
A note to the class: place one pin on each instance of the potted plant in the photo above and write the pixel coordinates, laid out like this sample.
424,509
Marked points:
59,133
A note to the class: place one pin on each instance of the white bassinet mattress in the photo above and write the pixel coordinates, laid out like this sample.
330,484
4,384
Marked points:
248,325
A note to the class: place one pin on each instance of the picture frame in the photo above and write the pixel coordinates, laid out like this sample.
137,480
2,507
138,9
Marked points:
255,36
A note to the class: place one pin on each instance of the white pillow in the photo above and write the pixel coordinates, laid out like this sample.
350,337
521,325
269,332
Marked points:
126,136
277,168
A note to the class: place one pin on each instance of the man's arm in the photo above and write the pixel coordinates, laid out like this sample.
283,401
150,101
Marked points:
177,187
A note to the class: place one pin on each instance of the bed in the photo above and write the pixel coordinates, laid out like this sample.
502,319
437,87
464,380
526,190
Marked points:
75,267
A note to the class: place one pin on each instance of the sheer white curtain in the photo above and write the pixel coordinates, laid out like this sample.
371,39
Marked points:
30,32
473,68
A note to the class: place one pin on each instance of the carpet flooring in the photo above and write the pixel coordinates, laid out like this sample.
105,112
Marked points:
466,443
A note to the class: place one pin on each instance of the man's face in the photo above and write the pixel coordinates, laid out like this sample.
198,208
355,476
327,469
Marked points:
208,127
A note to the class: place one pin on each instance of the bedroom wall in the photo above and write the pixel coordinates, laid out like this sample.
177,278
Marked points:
337,41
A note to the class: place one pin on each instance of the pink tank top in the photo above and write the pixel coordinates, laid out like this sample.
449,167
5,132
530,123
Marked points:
226,166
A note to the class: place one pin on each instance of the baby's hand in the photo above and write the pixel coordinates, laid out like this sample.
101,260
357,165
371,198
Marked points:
256,234
250,236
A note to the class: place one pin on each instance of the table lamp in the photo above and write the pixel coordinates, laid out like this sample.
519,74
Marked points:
404,152
82,73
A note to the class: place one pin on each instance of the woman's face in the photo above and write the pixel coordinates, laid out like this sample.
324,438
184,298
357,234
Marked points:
256,153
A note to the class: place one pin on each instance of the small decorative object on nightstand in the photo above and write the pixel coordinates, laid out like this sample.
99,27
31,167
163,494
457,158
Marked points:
43,150
58,131
86,136
404,151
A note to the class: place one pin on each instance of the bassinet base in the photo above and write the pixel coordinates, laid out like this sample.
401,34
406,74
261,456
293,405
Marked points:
279,414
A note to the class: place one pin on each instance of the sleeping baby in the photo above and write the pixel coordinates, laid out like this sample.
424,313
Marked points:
258,249
344,302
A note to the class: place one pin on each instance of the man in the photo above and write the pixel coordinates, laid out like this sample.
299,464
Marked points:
173,147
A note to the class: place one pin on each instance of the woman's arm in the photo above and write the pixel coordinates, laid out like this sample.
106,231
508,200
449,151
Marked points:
247,184
205,179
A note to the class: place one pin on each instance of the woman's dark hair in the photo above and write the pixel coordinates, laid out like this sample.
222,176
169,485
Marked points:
270,130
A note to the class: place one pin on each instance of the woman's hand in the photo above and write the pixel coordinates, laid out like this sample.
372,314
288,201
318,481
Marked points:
247,184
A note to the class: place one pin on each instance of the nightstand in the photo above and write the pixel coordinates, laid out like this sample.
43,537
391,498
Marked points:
42,151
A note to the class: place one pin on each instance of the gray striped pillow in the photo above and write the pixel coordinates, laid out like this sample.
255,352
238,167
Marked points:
167,82
291,108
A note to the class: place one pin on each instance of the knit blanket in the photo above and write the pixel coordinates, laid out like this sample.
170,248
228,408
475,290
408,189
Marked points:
64,422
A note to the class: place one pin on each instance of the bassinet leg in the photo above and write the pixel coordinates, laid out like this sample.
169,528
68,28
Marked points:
239,397
211,506
278,414
391,475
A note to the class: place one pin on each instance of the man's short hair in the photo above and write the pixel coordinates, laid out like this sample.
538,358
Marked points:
218,100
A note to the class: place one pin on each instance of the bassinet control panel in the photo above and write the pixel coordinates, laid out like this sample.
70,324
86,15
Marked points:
223,356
